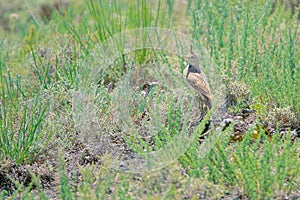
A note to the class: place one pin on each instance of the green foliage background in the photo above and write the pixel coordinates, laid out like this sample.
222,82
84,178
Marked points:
254,43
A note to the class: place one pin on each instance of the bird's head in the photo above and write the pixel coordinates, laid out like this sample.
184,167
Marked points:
193,58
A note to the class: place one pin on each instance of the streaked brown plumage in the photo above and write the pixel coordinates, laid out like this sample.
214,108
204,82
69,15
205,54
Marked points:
196,79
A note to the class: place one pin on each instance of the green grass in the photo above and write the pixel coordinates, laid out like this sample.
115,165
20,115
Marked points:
23,124
67,115
254,43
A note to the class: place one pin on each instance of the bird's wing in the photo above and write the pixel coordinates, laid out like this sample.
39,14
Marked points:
199,83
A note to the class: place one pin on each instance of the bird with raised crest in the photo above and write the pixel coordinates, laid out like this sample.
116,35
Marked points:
196,79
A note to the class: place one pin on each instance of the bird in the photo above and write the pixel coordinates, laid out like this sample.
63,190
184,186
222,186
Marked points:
196,79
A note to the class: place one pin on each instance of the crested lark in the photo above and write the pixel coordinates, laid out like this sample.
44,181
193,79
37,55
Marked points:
196,79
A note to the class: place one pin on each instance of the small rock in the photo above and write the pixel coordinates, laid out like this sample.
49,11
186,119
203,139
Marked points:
13,16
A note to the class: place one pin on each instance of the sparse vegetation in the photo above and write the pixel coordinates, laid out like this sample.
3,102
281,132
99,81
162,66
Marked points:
76,123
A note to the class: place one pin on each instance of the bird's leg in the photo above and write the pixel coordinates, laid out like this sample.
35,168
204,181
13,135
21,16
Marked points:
201,107
200,103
